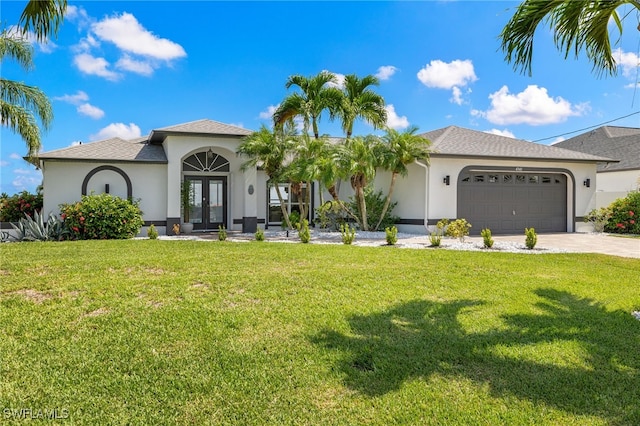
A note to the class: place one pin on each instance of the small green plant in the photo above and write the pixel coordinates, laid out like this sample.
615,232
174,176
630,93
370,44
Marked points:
222,233
330,215
348,234
303,231
435,238
486,238
260,234
391,234
152,232
531,238
624,215
459,228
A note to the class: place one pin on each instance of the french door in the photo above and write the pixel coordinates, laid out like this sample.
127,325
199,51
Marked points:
208,208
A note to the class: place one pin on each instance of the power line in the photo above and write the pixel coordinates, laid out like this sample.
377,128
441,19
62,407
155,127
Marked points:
587,128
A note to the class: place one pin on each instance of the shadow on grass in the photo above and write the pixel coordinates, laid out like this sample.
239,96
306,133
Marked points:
417,339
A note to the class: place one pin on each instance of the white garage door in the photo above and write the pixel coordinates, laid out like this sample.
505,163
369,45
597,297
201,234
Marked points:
507,203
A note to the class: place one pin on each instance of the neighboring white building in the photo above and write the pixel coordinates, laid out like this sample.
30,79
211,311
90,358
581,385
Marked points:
617,179
493,181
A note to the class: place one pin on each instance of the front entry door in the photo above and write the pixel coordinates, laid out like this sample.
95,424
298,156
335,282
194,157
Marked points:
209,202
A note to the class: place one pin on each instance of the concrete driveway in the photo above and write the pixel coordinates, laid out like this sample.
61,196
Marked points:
580,243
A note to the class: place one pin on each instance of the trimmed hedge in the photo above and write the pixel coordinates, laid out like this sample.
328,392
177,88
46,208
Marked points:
15,207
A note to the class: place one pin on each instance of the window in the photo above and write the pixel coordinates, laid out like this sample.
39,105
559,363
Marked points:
289,198
493,178
520,179
546,179
478,178
533,179
507,179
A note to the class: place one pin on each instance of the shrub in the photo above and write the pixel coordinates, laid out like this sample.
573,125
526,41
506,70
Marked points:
36,229
598,218
222,233
459,228
625,214
531,238
391,235
102,216
348,233
14,208
303,231
330,215
375,202
294,218
152,233
486,238
260,234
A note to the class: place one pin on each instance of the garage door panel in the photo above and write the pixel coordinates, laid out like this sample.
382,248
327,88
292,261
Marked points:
490,200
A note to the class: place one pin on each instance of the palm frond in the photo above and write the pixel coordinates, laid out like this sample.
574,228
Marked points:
43,17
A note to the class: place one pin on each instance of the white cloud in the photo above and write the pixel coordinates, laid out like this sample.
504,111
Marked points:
139,67
119,130
46,46
532,106
75,143
91,65
442,75
268,113
76,99
393,120
15,156
504,132
90,111
4,163
456,95
628,61
558,140
237,125
77,15
127,34
339,80
26,180
385,72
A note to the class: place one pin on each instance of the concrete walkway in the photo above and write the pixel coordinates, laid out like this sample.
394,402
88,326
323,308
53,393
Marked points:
581,243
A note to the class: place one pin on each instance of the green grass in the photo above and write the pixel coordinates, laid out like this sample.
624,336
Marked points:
190,332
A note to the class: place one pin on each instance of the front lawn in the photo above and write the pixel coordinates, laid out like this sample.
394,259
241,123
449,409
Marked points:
192,332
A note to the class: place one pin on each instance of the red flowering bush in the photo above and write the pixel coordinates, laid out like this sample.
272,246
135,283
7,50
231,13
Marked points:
15,207
624,215
101,217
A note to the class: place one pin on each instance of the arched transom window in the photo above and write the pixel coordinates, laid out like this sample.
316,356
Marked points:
205,162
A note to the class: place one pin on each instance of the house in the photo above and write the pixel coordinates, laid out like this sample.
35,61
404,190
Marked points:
615,180
492,181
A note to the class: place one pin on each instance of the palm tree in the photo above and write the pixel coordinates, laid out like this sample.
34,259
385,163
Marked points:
358,159
43,17
359,101
269,150
401,149
21,106
577,25
316,96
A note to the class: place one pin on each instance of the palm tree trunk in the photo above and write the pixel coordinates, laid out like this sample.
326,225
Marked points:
387,202
285,213
362,206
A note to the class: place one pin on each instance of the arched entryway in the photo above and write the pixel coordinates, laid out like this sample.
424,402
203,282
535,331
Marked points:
208,174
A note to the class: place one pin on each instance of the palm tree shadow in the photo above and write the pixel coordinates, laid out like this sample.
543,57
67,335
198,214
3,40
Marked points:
417,339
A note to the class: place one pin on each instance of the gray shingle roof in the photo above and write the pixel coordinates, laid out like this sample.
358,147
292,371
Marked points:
622,143
200,127
456,141
114,149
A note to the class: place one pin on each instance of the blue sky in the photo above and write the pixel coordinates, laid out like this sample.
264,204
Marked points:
124,68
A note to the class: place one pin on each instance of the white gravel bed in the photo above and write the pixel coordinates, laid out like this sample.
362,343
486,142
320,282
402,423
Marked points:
414,241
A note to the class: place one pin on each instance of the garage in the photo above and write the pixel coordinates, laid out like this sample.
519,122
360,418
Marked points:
509,202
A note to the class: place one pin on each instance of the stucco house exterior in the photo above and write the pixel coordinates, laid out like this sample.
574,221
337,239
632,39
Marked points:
617,179
492,181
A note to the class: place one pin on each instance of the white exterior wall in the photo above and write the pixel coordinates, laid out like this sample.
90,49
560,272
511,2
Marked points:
240,202
613,185
63,184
